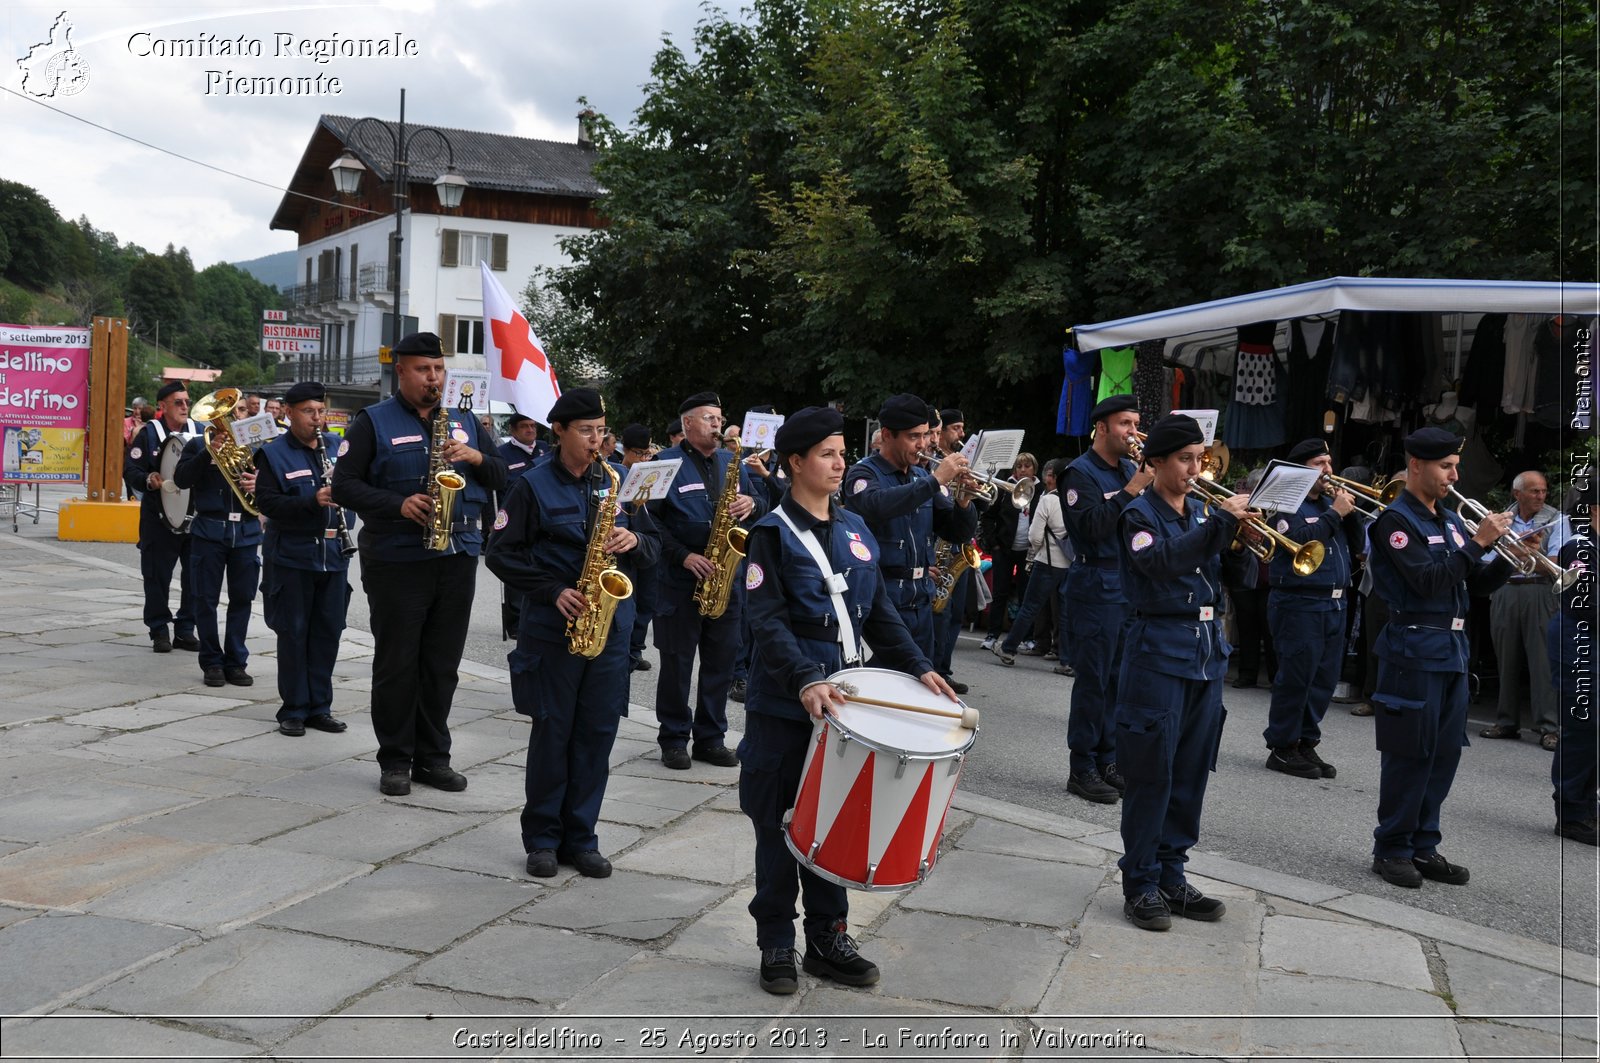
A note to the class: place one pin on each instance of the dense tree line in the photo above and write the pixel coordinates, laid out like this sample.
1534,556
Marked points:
846,198
210,316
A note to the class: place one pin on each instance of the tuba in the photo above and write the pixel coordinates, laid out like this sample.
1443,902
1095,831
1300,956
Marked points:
725,548
602,584
444,486
231,459
951,569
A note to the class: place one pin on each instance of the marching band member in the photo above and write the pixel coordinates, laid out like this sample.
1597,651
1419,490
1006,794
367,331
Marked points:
160,548
1169,711
539,548
905,505
1306,615
1423,566
807,623
225,545
952,431
307,584
1571,647
647,584
420,599
1097,487
684,518
524,447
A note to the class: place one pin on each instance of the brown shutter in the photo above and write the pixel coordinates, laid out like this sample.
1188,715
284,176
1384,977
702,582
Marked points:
447,333
449,247
497,251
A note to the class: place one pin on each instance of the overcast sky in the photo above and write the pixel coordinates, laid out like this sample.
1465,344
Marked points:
492,65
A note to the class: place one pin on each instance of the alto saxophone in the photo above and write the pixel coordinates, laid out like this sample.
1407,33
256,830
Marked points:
951,570
602,584
725,548
444,486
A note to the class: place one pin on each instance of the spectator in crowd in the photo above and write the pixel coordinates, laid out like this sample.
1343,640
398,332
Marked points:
135,419
1519,614
1003,532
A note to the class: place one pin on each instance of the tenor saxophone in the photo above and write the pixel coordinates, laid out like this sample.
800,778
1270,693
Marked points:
444,486
952,571
601,583
726,547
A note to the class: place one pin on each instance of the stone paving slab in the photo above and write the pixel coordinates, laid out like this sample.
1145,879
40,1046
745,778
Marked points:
533,964
1321,1026
966,962
374,833
50,736
1492,1041
39,771
652,802
9,915
626,905
494,848
129,717
53,956
197,773
1368,953
1258,878
1489,986
1008,839
77,697
990,886
74,871
207,731
407,906
343,784
132,747
232,884
654,986
490,788
726,933
234,820
715,847
58,811
270,975
300,753
99,1035
380,1022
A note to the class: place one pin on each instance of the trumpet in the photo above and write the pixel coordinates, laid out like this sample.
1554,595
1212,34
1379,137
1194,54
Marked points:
1307,556
986,487
1472,513
1213,461
1369,500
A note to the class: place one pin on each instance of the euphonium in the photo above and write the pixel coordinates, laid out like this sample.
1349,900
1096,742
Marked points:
725,548
444,486
952,570
231,459
602,584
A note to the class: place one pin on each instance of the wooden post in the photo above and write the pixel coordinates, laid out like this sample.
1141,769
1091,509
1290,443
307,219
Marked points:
116,392
102,517
99,412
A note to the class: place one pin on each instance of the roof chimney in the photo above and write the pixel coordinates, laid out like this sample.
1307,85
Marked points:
586,119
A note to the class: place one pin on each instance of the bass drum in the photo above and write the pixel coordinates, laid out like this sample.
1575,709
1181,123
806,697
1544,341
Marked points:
177,508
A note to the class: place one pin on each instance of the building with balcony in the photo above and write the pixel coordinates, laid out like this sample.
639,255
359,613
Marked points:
522,196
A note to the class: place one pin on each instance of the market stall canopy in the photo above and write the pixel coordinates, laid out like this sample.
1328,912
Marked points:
1344,293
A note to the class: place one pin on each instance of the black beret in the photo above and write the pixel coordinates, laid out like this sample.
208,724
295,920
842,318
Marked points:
1172,433
805,428
170,389
635,437
1307,449
703,398
517,418
903,411
1433,444
579,404
425,344
1112,404
951,415
675,428
306,391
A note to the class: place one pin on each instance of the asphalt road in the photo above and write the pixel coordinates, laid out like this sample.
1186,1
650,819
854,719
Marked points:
1497,820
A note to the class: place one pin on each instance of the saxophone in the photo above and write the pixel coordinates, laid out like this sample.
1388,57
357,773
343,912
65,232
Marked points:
725,548
951,570
602,584
444,485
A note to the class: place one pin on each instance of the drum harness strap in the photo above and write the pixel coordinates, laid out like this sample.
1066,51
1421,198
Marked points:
834,582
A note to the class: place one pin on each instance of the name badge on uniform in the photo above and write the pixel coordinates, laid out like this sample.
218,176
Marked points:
1435,540
1207,612
297,474
691,487
235,517
1458,623
399,441
514,468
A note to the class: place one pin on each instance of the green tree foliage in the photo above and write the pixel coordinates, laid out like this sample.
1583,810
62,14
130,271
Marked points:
33,232
847,198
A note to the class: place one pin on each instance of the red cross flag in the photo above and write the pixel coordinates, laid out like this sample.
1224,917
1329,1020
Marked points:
519,372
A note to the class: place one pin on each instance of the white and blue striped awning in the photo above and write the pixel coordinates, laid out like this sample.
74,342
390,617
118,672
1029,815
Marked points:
1344,293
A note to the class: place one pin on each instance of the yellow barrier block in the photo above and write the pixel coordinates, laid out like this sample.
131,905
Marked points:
83,521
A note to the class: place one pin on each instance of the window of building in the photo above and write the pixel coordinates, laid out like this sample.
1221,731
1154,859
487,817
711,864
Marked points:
458,248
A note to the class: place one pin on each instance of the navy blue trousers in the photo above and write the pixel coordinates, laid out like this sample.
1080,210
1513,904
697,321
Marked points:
1168,731
575,704
159,551
1420,726
307,610
681,634
1310,647
1575,772
911,601
646,592
240,567
770,760
1094,639
949,623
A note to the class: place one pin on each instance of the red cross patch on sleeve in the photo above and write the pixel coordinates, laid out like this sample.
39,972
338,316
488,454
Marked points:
1399,540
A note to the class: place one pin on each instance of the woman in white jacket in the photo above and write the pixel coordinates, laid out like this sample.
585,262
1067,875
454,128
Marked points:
1049,554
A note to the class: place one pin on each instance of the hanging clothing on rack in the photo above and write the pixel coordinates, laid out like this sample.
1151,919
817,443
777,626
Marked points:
1517,389
1077,393
1254,417
1310,353
1148,378
1116,372
1483,380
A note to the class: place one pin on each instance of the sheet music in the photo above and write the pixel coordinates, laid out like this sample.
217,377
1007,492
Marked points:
994,451
759,430
649,480
254,431
1208,422
1283,487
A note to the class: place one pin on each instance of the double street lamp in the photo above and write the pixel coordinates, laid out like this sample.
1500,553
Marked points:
347,171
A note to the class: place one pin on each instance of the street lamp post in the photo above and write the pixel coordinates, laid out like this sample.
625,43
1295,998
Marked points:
347,171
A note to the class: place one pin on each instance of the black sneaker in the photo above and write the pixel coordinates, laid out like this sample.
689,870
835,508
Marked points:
1148,911
1309,755
445,778
1114,779
1397,871
956,685
1091,787
779,975
1192,904
641,665
161,642
542,863
721,756
395,783
737,691
832,954
214,678
1290,762
590,863
676,758
1586,831
186,642
1437,868
238,677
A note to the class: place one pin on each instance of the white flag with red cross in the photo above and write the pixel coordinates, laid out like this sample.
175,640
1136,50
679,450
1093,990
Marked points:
519,372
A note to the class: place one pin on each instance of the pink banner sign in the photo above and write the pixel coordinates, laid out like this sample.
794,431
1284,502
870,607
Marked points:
44,404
